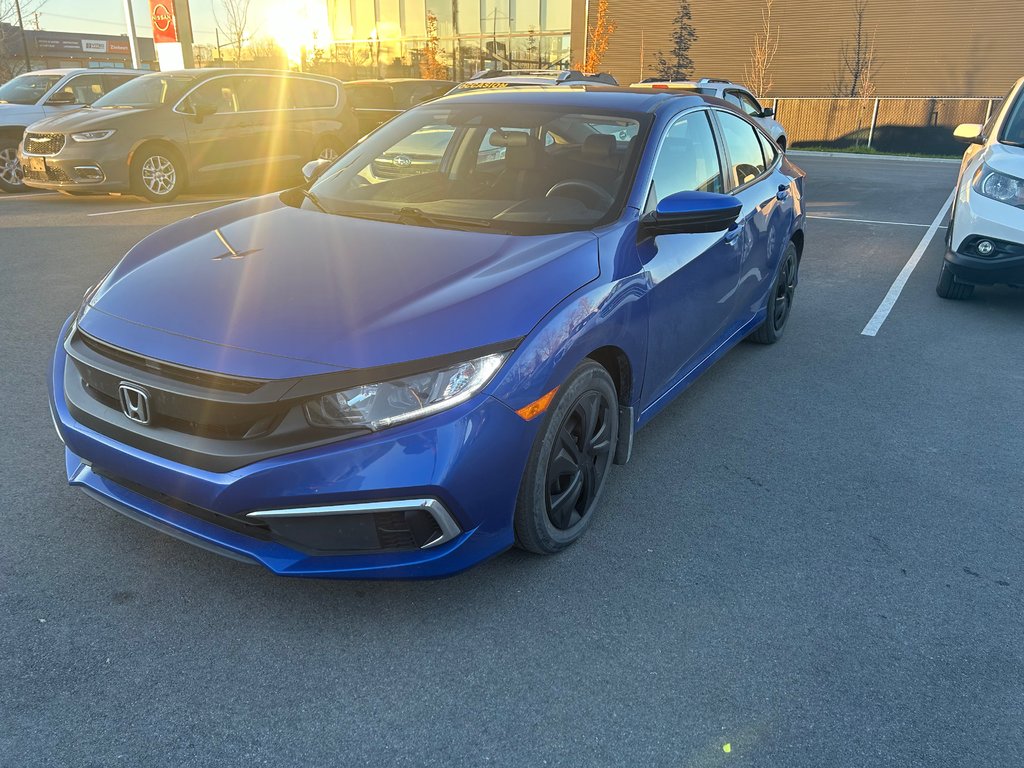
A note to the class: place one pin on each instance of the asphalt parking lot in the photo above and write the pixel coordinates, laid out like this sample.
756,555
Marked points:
814,556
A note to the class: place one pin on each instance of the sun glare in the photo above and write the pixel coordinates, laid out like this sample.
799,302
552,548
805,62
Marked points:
301,24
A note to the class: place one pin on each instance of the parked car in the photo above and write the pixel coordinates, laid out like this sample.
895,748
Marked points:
736,94
164,132
985,237
377,101
42,93
492,79
401,377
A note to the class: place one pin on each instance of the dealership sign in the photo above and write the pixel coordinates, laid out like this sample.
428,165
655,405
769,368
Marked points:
161,13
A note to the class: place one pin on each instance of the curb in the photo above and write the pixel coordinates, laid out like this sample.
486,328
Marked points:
903,158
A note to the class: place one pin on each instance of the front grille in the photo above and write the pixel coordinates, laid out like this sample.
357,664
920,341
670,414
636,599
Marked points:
51,173
44,143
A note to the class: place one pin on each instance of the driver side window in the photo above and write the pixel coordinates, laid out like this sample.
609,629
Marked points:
688,159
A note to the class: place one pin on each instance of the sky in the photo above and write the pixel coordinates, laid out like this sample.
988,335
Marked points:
107,17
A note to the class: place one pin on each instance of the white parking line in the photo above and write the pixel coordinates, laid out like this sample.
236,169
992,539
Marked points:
159,207
22,196
870,221
901,279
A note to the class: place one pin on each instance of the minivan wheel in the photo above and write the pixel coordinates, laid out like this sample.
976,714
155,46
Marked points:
157,174
12,179
780,300
949,287
569,463
328,149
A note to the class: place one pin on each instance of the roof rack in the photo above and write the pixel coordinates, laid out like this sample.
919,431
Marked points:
713,80
558,75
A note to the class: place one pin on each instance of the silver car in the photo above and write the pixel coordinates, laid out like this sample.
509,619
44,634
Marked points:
735,94
45,93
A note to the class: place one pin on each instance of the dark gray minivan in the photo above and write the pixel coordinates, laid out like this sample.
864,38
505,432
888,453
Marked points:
165,132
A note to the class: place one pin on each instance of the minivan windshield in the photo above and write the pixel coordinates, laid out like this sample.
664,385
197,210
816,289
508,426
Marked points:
146,91
504,167
26,89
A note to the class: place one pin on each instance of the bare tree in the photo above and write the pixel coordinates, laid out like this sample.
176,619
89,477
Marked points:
762,53
858,62
235,23
12,58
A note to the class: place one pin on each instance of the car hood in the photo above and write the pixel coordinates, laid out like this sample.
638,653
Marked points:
263,289
19,114
1006,159
83,120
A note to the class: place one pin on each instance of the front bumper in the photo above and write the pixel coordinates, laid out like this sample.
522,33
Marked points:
82,166
470,460
976,218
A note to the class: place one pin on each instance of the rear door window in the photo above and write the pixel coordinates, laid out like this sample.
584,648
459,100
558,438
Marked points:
744,101
744,148
308,93
371,97
221,93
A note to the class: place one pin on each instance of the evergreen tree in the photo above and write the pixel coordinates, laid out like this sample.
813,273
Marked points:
678,65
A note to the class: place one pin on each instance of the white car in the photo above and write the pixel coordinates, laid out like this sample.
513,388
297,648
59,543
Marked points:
41,93
985,239
736,94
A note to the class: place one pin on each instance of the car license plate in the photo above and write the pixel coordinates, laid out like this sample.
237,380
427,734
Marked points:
37,165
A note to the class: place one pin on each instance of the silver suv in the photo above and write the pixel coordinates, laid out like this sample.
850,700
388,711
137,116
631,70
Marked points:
44,93
735,94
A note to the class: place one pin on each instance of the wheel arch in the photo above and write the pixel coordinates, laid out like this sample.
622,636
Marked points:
798,240
160,142
615,360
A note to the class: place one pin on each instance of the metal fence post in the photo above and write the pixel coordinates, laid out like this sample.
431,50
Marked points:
775,106
988,111
874,119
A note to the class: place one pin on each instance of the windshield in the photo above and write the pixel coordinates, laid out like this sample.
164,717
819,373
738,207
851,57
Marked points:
26,89
146,91
1013,128
520,169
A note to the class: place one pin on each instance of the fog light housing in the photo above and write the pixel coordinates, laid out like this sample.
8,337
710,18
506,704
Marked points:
985,247
89,172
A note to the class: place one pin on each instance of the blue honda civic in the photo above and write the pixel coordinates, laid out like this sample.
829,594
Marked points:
436,348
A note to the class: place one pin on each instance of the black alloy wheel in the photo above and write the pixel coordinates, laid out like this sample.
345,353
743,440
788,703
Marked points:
569,464
780,300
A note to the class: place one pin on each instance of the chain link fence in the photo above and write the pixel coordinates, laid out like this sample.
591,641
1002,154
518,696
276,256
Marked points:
890,124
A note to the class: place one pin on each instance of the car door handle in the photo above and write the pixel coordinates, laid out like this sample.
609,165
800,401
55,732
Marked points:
733,232
783,192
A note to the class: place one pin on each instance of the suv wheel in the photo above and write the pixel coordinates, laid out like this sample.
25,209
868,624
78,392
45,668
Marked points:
12,179
157,174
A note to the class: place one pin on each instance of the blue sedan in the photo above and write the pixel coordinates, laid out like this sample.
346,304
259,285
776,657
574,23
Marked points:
411,364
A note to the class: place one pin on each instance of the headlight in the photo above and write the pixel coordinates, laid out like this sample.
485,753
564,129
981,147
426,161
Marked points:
999,186
92,135
376,406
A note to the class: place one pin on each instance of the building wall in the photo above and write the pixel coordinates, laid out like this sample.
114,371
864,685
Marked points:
924,47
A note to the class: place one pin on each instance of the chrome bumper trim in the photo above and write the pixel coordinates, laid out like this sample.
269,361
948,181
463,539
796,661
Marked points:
449,528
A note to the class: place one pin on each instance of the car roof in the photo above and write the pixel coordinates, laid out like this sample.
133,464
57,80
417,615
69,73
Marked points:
396,80
79,70
578,95
208,72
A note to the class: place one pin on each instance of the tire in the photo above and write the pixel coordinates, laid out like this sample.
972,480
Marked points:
780,299
328,148
568,466
12,179
951,288
158,174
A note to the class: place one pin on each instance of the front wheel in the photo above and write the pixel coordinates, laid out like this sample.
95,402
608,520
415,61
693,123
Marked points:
780,300
951,288
157,174
12,179
569,463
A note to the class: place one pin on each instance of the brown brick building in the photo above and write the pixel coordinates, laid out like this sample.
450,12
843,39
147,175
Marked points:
924,47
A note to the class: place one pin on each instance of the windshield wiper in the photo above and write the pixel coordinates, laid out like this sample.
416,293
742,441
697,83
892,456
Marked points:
313,199
410,213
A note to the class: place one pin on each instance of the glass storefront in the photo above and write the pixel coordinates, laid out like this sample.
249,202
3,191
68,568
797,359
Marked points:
384,38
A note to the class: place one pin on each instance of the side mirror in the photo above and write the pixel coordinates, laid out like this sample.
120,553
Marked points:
692,212
61,98
969,133
202,110
314,169
767,112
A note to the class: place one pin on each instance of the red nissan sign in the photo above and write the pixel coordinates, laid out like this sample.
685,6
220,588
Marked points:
161,13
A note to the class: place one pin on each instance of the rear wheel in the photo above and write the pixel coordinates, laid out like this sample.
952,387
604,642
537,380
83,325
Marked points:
11,177
949,287
780,300
157,173
569,463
